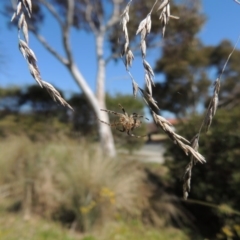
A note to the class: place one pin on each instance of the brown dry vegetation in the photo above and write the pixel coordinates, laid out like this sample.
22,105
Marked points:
72,182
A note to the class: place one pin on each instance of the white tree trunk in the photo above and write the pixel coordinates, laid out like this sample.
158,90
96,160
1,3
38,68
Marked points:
105,133
96,101
100,93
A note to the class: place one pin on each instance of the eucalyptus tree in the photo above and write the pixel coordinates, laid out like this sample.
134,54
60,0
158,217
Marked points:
97,18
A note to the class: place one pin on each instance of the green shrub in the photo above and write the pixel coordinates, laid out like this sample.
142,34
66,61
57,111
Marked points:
218,180
12,227
134,230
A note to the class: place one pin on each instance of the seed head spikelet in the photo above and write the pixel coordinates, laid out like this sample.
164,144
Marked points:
22,7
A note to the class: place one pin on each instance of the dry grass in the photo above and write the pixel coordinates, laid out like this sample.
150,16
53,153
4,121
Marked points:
165,14
144,28
98,188
207,121
23,7
72,182
43,177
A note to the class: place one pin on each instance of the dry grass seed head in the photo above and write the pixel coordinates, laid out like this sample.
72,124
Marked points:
164,124
149,99
28,54
55,94
195,146
148,68
187,180
135,88
165,14
129,57
209,117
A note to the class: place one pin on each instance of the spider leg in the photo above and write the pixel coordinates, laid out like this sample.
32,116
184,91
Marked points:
109,111
121,130
134,126
132,135
139,116
122,109
109,124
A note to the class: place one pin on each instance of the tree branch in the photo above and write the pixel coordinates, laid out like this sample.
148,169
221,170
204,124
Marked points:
70,12
66,30
65,27
135,49
115,15
50,49
52,10
88,16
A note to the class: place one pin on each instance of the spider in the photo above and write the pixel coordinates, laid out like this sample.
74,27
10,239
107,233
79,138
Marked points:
128,123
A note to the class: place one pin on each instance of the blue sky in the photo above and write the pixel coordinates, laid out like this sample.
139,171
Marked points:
223,22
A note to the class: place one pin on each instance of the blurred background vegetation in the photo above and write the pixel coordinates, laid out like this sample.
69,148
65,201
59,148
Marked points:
56,184
52,169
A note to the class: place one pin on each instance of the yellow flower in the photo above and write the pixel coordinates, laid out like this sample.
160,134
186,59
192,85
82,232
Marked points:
106,193
112,200
86,209
227,231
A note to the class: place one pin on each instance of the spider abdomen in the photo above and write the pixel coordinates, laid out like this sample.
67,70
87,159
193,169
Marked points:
127,122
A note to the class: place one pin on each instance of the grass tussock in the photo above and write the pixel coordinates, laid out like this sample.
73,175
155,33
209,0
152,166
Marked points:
97,188
71,181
